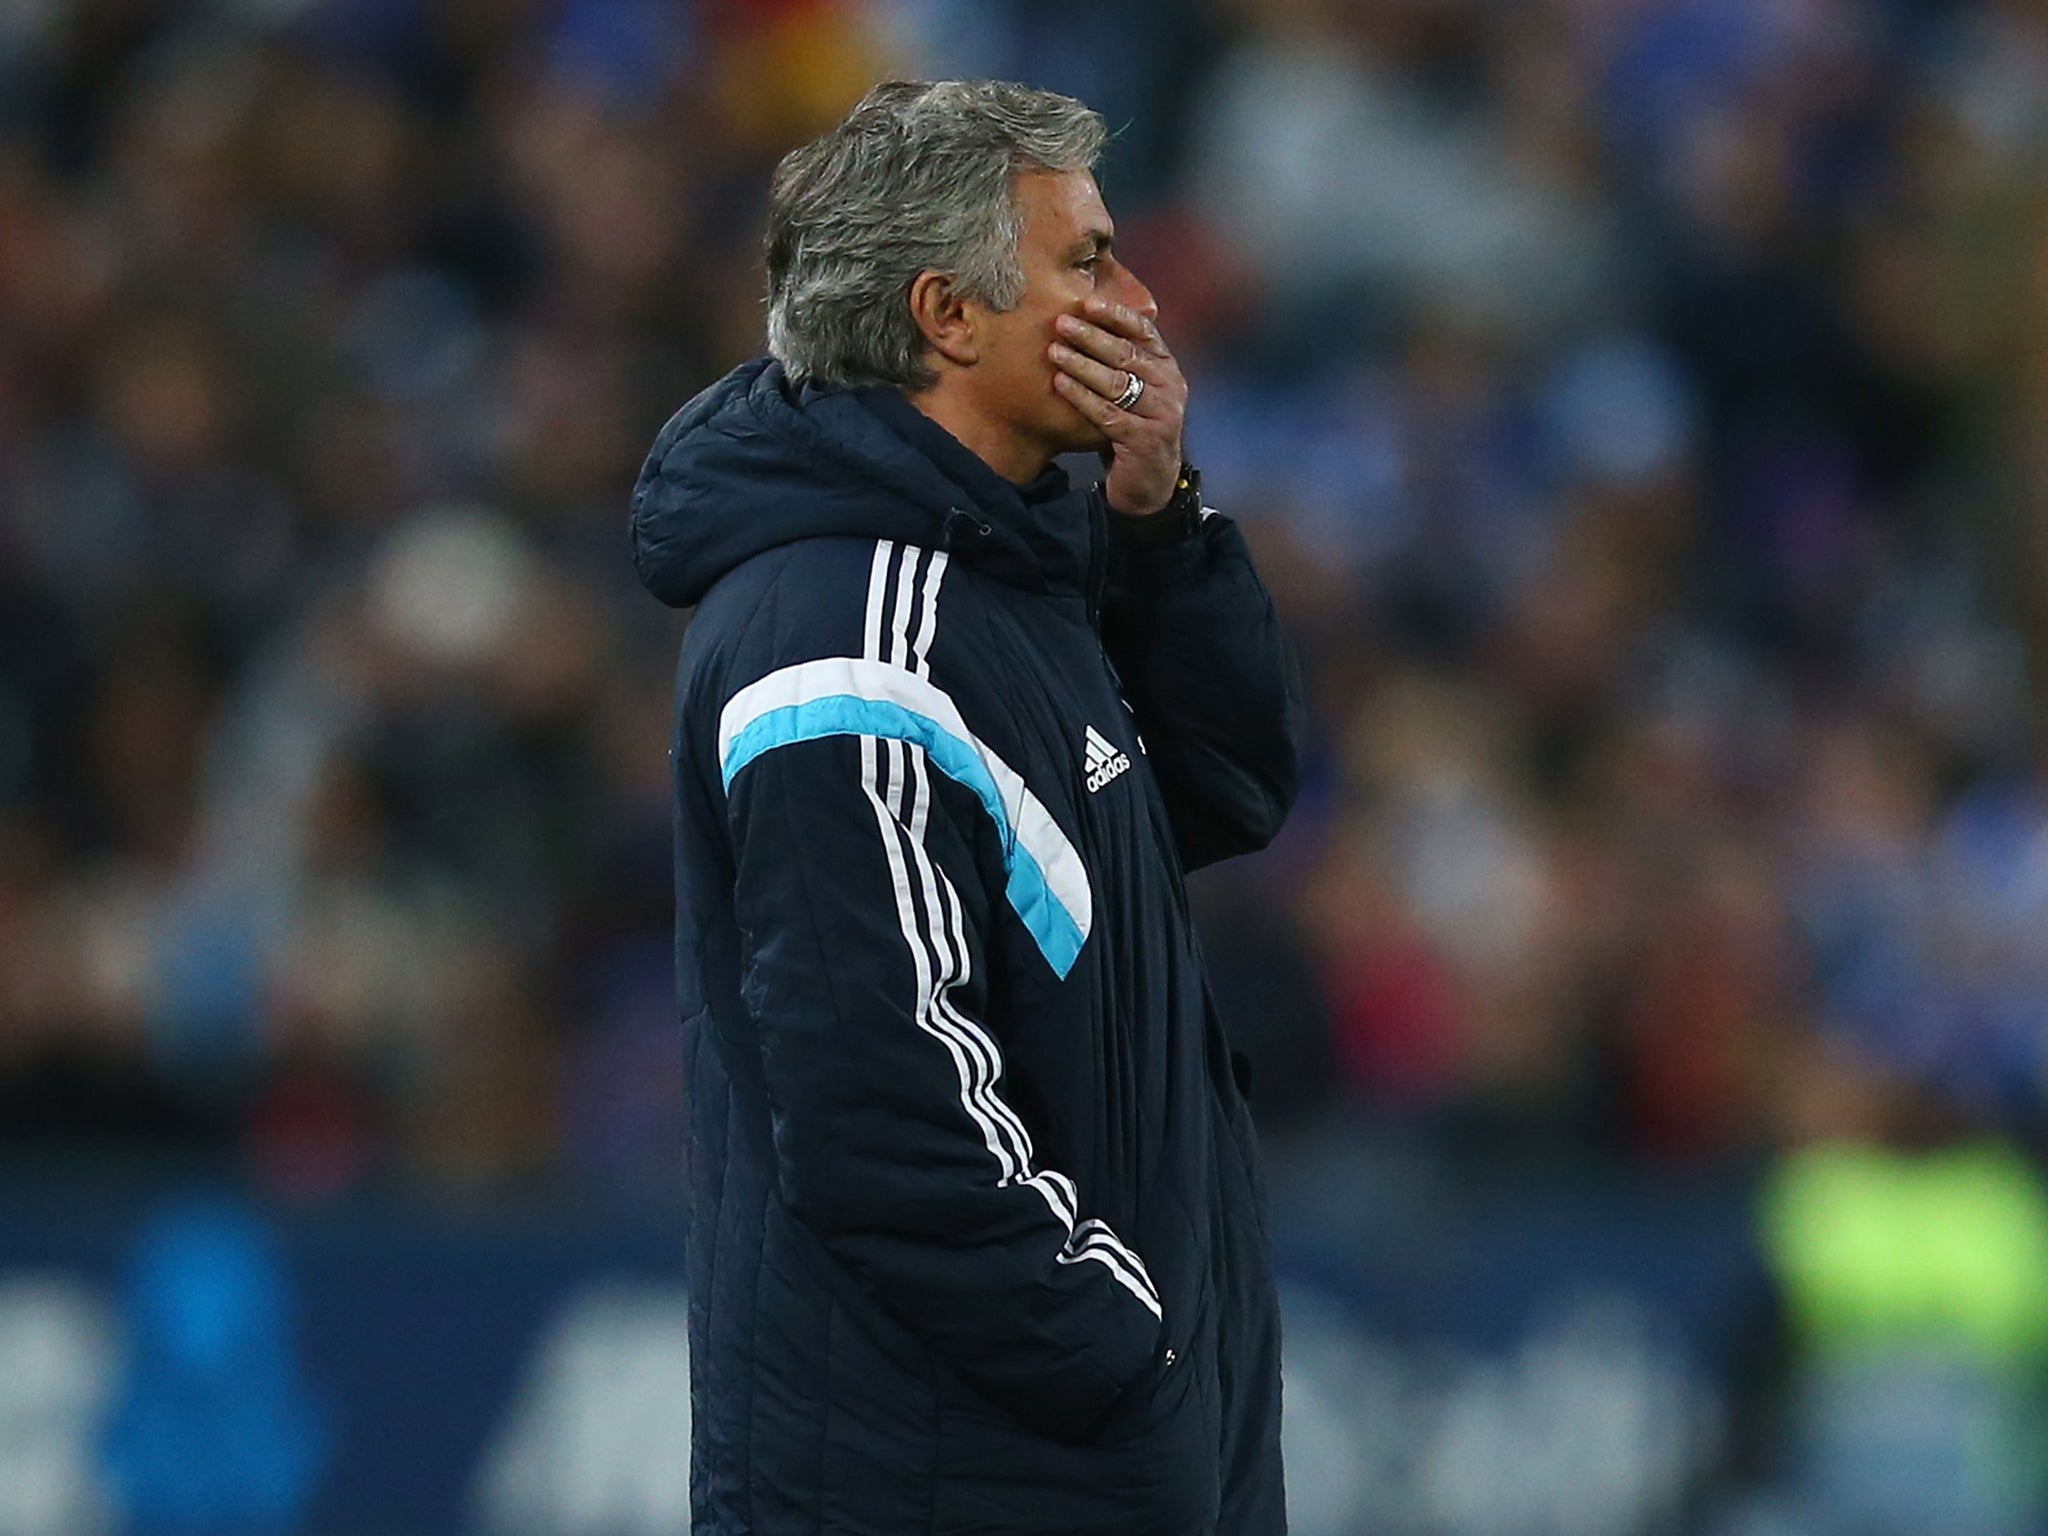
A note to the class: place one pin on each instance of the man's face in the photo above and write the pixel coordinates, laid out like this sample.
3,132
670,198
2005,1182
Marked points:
1065,252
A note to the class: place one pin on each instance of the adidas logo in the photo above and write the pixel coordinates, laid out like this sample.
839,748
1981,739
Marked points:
1104,761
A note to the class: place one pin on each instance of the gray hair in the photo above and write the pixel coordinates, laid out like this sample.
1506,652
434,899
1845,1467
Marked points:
918,178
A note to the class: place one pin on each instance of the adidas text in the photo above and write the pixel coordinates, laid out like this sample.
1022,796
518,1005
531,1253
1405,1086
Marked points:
1104,761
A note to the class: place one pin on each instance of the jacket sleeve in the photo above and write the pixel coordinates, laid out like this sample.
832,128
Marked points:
863,923
1214,685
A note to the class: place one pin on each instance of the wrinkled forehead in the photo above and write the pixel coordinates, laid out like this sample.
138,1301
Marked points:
1062,208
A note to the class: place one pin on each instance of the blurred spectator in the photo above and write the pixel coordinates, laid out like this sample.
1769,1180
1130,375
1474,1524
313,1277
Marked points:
1909,1252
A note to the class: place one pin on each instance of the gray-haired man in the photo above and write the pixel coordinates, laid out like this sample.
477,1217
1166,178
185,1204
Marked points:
978,1243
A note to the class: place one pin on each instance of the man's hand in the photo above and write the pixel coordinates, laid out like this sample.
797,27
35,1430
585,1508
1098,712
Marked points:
1094,362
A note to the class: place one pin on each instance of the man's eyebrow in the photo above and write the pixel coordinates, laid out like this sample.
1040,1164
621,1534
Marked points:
1093,243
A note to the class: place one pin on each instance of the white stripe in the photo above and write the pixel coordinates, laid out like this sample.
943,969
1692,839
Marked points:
899,616
974,1057
1064,1185
1030,823
1123,1278
871,633
940,955
954,962
920,794
946,931
955,966
951,962
1051,1191
947,928
906,919
966,1062
1119,1258
976,1071
928,622
957,935
1094,1233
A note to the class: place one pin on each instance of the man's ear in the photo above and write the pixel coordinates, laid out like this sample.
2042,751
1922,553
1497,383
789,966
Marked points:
946,320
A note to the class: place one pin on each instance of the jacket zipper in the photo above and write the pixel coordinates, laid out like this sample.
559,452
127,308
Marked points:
1098,557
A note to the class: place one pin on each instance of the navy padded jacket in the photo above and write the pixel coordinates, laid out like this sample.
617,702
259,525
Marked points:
977,1236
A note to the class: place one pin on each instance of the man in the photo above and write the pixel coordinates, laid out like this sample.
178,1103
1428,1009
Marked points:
977,1239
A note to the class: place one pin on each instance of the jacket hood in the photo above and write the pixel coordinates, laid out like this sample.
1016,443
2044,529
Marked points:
754,463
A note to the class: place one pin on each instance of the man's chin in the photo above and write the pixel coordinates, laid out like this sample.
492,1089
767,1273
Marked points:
1080,435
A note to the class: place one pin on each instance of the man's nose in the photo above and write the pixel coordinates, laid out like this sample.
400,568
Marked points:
1136,295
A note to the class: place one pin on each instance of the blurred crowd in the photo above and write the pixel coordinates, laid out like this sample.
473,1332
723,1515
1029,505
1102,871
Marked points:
1639,407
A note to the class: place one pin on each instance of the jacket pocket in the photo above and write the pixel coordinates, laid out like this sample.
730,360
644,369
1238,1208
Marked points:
1147,1404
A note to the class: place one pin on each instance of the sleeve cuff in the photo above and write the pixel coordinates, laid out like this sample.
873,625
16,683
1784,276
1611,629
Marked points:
1142,570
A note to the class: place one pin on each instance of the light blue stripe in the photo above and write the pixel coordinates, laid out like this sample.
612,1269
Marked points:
1058,935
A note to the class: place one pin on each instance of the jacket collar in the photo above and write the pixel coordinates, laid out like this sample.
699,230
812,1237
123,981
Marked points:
1047,515
753,463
